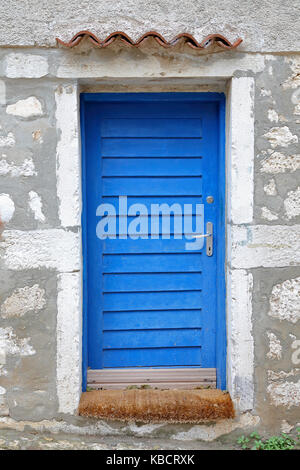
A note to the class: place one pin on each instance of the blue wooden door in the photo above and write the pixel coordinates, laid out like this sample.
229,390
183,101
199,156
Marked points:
150,301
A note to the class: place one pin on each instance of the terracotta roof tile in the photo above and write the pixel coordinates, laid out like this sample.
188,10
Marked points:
187,38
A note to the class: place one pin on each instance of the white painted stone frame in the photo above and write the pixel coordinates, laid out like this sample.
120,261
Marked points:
69,300
239,164
239,283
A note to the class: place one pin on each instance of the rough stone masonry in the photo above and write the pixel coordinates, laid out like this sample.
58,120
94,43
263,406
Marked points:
40,260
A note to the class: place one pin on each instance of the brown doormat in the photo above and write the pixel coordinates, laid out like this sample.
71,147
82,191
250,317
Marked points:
157,406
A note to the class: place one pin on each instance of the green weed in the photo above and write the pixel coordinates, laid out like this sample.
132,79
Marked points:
256,442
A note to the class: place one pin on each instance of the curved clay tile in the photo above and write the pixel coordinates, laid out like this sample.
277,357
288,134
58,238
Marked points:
187,38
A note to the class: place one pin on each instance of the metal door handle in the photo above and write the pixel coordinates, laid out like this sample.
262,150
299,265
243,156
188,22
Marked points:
209,236
203,236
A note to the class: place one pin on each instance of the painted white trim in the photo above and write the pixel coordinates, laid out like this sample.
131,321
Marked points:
240,346
69,299
265,246
239,163
239,284
241,153
69,341
68,155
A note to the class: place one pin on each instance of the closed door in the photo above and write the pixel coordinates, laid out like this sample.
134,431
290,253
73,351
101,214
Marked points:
152,179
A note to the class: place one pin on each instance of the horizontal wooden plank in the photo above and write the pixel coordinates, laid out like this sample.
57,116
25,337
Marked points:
151,127
149,263
147,201
159,385
151,167
159,215
160,357
144,319
148,375
151,282
152,300
141,245
136,339
137,186
149,226
177,105
158,147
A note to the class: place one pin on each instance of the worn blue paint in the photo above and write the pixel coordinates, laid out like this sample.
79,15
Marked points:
84,251
221,333
150,303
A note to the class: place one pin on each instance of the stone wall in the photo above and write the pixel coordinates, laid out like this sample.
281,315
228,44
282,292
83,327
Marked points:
40,206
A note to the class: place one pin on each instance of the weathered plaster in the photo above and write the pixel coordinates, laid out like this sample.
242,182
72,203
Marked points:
270,188
275,348
272,115
27,168
10,344
281,375
265,92
266,246
267,214
285,394
4,410
286,427
220,429
241,204
7,208
292,204
297,108
19,65
29,108
7,140
53,249
257,23
2,92
205,432
35,204
295,358
285,301
293,81
280,163
23,300
280,137
96,64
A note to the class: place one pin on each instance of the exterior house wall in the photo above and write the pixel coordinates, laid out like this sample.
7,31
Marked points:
40,198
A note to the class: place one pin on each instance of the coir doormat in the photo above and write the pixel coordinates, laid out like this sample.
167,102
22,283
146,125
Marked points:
157,406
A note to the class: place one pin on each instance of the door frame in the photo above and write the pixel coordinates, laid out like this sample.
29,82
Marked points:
240,223
221,333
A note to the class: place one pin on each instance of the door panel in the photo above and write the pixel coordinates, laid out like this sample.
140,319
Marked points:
179,167
151,148
149,282
152,357
148,127
152,319
150,301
